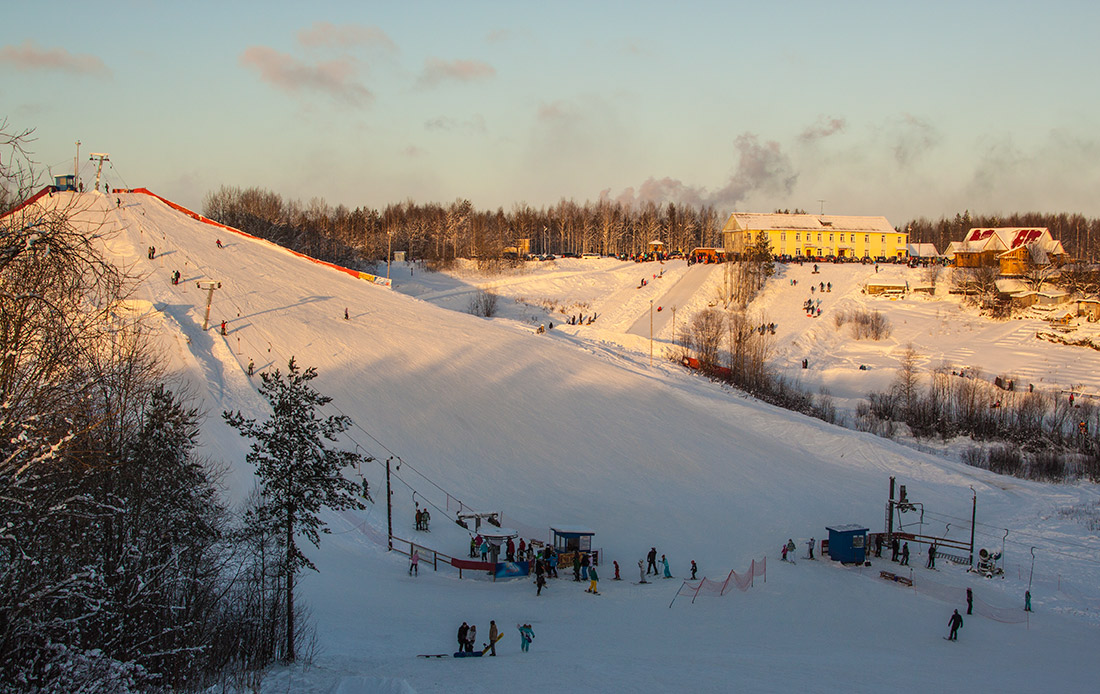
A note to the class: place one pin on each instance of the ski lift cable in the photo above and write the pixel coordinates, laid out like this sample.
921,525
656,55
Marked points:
1000,530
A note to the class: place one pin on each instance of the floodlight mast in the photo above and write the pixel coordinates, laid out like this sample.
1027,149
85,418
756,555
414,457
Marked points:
101,157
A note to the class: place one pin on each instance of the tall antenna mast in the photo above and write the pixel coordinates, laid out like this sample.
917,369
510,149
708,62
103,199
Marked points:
102,158
76,168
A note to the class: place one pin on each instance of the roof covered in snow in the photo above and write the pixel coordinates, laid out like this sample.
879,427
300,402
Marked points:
1002,239
751,221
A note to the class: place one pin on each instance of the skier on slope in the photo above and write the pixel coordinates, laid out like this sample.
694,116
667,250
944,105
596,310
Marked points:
652,558
790,549
694,568
664,563
955,623
642,573
414,563
905,554
594,578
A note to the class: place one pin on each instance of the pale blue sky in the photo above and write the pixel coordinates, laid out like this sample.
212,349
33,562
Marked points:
875,107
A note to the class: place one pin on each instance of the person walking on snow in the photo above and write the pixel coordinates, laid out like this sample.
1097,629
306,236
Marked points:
652,557
790,549
594,578
526,636
664,563
969,601
414,563
694,568
810,549
617,577
784,557
905,554
540,583
932,556
955,623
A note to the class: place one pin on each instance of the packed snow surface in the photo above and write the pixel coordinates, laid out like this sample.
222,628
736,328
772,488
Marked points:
580,426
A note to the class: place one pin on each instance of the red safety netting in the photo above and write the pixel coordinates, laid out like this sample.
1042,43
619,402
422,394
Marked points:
742,581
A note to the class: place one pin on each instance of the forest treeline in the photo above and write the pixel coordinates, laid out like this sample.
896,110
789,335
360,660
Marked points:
440,233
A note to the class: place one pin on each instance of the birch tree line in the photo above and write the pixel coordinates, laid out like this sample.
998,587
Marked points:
439,233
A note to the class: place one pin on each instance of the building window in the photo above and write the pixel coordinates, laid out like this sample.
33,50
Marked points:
819,238
884,239
842,238
782,236
830,237
797,236
866,238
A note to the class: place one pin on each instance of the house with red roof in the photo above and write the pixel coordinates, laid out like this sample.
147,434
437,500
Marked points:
1011,249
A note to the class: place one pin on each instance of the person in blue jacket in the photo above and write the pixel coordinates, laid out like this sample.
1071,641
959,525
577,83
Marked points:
526,636
664,563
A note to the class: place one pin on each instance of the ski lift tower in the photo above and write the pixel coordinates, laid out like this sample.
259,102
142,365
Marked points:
102,157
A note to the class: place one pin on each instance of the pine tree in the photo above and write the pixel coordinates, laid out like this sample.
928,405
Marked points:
299,475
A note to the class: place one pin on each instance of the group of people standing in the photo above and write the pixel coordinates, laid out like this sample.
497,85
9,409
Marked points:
651,565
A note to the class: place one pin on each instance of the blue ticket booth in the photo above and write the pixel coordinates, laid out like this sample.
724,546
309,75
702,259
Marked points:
848,543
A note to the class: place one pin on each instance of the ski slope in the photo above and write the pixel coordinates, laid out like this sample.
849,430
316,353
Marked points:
575,426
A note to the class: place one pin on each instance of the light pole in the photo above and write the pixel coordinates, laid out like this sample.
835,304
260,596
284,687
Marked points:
389,251
673,325
651,332
973,517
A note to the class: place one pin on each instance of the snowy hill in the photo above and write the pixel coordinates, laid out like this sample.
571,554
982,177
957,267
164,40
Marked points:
576,426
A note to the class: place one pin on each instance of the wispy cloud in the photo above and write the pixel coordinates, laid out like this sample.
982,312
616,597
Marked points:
29,57
824,127
346,36
498,36
334,77
912,138
436,71
474,124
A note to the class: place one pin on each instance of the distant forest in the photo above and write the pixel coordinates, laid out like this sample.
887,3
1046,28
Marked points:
439,233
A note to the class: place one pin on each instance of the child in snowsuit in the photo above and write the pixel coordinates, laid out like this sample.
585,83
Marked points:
526,636
641,571
414,563
664,563
694,568
594,579
540,583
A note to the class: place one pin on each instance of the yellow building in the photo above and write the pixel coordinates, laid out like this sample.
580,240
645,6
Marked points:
815,235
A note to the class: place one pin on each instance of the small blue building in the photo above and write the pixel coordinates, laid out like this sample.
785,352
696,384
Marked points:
848,543
67,182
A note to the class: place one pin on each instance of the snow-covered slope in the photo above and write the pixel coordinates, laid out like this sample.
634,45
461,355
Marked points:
573,427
